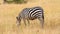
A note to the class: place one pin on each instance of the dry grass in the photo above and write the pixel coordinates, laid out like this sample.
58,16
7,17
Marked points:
8,13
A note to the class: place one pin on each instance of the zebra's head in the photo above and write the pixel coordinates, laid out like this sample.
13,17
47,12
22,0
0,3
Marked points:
18,20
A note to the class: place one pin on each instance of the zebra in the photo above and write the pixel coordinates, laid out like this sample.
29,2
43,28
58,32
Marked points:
31,14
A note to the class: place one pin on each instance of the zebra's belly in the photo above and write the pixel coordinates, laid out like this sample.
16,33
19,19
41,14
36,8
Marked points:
32,18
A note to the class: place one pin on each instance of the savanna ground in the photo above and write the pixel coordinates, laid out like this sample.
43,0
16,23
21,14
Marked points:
8,13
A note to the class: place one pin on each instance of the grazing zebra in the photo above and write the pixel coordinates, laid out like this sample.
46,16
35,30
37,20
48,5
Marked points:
31,14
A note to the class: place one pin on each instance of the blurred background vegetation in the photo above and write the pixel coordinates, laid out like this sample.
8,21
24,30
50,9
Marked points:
15,1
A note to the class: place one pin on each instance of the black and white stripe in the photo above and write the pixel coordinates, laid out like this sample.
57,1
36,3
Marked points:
31,14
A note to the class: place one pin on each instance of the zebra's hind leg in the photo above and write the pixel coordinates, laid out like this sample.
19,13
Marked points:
41,21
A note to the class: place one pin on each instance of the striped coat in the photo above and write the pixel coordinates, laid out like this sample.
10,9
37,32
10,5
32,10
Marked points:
31,14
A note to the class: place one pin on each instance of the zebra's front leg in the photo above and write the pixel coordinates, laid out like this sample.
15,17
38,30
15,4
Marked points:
24,21
42,22
28,21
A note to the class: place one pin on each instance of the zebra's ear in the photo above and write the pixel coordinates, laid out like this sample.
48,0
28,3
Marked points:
16,17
